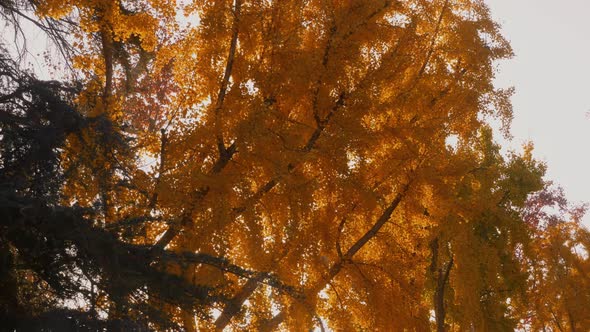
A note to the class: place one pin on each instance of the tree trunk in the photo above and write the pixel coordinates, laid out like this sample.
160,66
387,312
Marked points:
441,275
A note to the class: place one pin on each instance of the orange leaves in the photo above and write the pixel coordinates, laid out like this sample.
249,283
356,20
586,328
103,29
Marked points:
559,277
308,139
56,9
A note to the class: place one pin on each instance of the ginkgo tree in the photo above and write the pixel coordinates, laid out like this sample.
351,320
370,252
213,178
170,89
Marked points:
288,165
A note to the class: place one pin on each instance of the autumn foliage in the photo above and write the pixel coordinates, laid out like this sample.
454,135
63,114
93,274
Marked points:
277,165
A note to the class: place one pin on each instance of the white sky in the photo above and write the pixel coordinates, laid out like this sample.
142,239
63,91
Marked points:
551,74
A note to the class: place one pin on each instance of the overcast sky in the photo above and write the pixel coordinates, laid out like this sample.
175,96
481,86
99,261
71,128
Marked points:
551,74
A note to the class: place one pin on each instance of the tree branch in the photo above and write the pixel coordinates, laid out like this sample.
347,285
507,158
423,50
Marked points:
433,40
354,249
161,169
225,154
225,79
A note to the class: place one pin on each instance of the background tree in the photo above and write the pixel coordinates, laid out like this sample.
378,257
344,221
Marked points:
558,263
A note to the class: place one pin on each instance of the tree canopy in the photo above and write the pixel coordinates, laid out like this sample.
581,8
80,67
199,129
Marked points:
276,165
